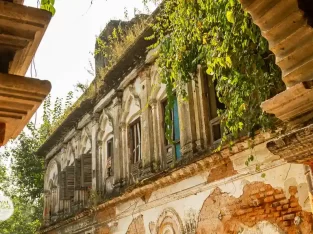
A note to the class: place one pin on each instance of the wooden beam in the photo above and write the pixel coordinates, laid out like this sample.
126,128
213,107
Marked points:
24,28
20,97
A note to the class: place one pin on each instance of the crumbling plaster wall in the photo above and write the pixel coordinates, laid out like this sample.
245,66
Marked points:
215,207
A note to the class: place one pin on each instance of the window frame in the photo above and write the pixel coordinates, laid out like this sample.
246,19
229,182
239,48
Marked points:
212,106
109,158
170,155
135,156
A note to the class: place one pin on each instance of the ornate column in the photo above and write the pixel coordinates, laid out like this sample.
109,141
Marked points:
118,132
187,125
94,151
147,126
157,152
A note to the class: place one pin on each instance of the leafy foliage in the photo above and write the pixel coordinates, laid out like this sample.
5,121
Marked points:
25,180
48,5
25,219
221,37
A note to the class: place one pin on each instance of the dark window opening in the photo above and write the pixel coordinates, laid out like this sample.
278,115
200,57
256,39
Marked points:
174,118
214,105
109,157
135,141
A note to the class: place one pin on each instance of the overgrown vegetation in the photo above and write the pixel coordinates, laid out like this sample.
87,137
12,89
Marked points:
221,37
112,50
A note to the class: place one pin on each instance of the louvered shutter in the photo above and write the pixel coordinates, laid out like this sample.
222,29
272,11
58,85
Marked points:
77,172
62,185
86,170
69,182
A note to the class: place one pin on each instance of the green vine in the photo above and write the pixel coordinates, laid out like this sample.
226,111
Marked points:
48,5
221,37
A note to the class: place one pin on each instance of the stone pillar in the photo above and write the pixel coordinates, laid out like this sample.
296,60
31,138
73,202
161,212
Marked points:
156,141
94,151
146,127
201,111
187,125
117,140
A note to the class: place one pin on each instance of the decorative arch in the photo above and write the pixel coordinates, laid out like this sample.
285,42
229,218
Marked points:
85,143
106,125
52,172
128,116
70,154
169,222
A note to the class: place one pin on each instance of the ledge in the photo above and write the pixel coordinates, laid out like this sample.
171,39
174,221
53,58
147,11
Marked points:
20,97
291,103
22,29
295,147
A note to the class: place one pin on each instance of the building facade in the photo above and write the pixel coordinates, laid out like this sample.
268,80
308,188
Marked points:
110,169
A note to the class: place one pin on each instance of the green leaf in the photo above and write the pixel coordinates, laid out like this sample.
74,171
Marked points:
228,61
230,17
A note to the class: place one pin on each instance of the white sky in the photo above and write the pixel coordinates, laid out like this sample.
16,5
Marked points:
64,53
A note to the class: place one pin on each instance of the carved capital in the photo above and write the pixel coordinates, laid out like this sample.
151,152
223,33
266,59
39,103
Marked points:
153,103
123,126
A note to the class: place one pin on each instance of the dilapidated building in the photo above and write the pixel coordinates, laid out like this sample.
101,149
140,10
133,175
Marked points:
110,169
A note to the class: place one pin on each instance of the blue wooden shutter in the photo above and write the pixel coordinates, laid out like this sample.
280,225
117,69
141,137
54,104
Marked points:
176,131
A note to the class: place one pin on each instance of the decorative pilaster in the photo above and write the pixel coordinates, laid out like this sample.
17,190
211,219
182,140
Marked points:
156,155
94,151
187,125
118,140
147,127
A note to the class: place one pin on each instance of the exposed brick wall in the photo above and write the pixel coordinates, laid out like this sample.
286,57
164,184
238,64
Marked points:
222,213
105,214
103,230
222,171
137,226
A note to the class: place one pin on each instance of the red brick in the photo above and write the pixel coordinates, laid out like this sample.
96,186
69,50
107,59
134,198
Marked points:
295,209
261,211
275,204
279,208
262,216
279,196
285,206
249,210
293,190
293,204
269,199
240,212
284,202
269,193
289,217
254,191
286,223
276,214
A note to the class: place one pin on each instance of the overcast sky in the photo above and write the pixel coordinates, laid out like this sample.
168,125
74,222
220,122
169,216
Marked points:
64,53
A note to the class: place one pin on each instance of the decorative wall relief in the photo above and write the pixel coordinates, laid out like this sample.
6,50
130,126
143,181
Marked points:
168,222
